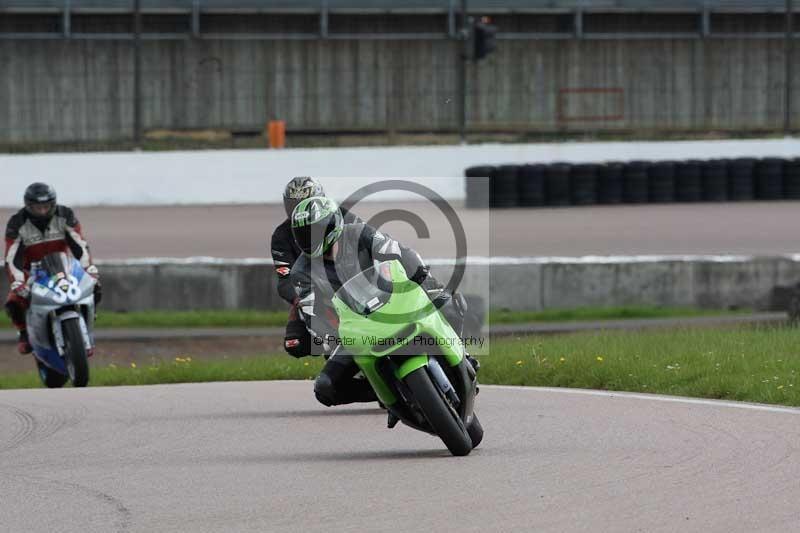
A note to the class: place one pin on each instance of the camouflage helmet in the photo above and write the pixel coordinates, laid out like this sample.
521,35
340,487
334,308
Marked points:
299,189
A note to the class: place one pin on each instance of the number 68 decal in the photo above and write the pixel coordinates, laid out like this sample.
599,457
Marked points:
60,290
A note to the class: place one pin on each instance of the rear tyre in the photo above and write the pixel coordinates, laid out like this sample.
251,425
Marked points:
75,352
440,414
50,378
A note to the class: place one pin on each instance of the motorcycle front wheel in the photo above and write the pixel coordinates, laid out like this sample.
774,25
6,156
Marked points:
440,414
75,352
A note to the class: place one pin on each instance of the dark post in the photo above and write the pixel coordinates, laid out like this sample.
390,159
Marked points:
463,35
137,72
789,52
66,20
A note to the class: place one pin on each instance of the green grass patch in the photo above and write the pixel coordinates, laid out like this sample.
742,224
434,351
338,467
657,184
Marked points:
747,364
187,370
605,313
224,140
192,319
186,319
256,319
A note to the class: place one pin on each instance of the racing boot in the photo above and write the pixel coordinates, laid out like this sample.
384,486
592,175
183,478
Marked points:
23,344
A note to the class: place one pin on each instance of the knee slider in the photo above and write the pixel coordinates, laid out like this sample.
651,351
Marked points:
324,390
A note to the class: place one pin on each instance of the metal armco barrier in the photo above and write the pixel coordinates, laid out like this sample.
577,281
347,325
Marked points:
634,182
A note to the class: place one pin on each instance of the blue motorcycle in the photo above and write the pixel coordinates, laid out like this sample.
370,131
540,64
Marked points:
60,320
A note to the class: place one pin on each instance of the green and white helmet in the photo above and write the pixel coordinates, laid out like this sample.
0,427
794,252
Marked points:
317,223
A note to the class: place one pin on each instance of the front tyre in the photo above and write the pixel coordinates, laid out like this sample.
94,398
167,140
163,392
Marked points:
50,378
75,353
475,431
441,416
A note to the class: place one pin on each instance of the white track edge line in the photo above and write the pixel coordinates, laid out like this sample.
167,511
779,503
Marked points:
653,397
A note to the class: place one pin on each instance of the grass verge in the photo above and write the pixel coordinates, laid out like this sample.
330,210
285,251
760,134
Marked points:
747,364
605,313
186,319
187,370
160,140
251,318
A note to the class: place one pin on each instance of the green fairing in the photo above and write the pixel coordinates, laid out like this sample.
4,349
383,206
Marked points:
408,305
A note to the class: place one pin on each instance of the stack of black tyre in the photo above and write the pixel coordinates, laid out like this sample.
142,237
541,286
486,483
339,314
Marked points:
661,176
689,181
635,182
741,178
583,181
791,179
557,184
769,179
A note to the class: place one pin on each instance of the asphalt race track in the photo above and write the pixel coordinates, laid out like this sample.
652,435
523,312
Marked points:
759,228
266,457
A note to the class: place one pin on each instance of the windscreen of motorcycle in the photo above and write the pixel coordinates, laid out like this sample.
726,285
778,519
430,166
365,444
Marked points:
58,279
368,291
55,264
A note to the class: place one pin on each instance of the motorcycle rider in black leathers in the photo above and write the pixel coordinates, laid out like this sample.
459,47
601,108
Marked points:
333,252
297,341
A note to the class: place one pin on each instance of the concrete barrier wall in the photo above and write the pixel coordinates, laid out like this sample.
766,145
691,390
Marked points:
259,176
712,282
512,283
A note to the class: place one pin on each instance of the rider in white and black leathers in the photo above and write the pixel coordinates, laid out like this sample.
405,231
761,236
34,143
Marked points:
333,252
40,228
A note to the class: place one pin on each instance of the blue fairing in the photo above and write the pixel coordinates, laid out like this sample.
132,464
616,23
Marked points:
50,358
42,277
77,270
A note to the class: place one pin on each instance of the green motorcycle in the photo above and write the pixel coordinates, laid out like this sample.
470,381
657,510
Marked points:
410,354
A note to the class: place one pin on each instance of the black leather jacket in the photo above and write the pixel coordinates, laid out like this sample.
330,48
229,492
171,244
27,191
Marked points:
315,280
285,252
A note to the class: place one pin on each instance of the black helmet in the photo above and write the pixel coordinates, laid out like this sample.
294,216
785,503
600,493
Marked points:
40,194
299,189
317,223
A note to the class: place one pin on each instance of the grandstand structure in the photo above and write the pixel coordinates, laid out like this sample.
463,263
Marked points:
105,70
391,19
